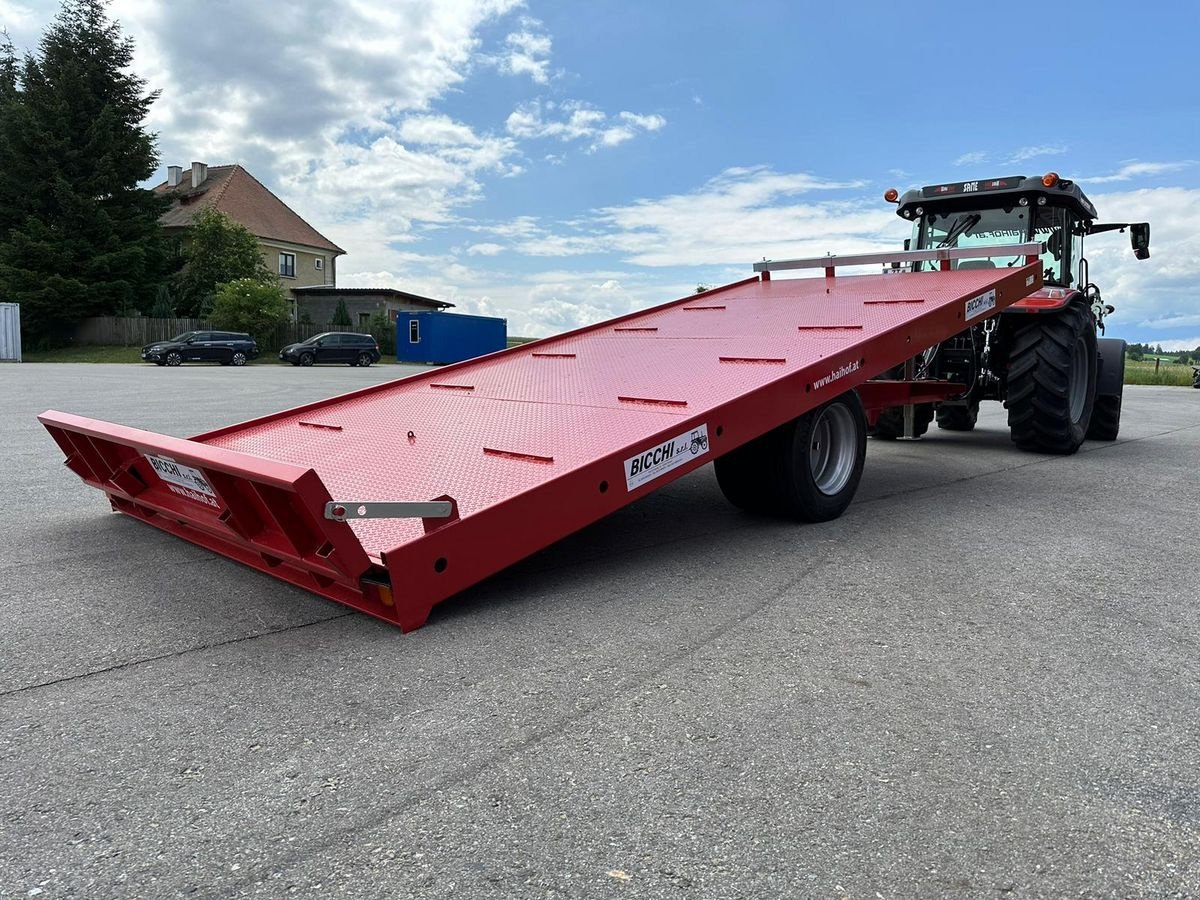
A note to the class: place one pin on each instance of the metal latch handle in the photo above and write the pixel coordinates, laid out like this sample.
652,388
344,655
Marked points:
341,510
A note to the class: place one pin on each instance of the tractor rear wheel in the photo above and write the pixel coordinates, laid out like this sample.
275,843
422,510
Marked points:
890,424
1052,381
958,418
807,469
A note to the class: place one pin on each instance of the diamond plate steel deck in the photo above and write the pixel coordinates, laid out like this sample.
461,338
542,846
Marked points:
530,443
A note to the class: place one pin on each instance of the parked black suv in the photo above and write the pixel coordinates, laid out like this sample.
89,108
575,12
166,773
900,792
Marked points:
229,348
333,347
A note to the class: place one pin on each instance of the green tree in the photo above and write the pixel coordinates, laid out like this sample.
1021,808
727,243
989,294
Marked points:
383,330
250,305
78,237
341,316
164,303
218,250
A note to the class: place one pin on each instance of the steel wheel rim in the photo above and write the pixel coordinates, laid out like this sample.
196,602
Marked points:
832,449
1079,378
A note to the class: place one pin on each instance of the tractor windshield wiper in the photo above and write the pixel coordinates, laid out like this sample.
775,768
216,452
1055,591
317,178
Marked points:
961,224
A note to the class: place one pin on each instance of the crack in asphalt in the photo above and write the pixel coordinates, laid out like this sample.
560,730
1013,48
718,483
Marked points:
79,676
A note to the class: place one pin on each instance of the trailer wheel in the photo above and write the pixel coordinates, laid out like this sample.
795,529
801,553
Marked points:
890,424
807,469
1110,389
958,418
1052,381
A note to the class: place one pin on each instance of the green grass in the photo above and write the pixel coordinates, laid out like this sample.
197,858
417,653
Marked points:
85,355
1168,373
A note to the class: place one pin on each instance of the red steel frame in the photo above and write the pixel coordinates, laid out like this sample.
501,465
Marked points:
532,443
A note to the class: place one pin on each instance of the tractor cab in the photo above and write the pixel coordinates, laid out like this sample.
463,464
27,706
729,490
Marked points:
1048,210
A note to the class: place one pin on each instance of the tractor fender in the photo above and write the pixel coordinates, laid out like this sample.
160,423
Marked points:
1110,375
1047,300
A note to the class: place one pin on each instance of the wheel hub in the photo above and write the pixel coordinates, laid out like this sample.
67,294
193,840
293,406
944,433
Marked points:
832,451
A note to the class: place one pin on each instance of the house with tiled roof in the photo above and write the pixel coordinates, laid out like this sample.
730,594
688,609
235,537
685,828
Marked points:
297,252
304,259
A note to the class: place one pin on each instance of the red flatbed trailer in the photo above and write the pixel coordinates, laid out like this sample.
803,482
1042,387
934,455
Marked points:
487,461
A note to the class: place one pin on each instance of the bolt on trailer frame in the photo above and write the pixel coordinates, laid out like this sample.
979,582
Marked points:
395,497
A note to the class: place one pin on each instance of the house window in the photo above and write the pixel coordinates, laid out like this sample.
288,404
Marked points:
319,263
414,331
364,320
287,265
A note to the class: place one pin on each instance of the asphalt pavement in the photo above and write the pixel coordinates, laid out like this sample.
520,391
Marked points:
981,681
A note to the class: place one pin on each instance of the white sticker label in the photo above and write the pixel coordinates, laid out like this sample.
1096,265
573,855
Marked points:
177,473
1029,281
661,459
977,306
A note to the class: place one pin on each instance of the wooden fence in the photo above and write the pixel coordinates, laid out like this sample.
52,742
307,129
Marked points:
114,331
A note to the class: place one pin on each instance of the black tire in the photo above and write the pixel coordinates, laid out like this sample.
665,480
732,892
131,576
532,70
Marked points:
1106,418
1110,391
364,360
306,359
1052,381
890,425
173,359
807,469
238,358
958,418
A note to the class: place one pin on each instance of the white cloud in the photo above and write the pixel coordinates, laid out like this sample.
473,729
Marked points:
437,131
1185,344
527,52
1158,293
1134,169
1033,152
973,158
15,17
485,249
572,120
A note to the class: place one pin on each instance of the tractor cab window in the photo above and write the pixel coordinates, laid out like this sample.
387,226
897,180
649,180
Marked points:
1052,227
974,228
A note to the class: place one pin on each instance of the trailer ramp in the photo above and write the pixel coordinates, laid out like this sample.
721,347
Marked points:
503,455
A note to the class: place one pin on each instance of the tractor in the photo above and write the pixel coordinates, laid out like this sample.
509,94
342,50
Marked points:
1042,357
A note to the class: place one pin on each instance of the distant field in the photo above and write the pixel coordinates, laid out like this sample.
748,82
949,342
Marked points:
1168,373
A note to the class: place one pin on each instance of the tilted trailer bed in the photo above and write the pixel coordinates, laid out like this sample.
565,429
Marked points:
393,498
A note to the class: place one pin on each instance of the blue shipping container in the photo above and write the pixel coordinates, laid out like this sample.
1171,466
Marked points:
441,337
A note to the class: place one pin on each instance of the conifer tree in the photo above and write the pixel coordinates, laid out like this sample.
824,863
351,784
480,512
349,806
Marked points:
78,237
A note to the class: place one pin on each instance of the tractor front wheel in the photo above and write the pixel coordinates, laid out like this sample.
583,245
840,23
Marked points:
890,424
958,418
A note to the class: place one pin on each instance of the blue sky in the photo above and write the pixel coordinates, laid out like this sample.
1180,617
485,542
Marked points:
560,163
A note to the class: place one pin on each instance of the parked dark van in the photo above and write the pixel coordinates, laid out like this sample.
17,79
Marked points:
333,347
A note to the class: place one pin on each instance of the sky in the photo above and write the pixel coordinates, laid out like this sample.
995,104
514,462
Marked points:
562,163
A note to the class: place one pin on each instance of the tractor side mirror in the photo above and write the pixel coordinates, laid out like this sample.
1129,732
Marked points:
1139,239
